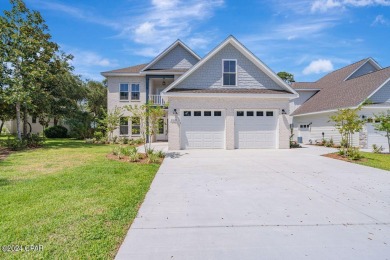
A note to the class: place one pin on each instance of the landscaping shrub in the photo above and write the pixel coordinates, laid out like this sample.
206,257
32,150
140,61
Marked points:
134,156
98,135
56,132
160,154
149,152
376,149
153,158
89,141
117,151
138,141
31,141
354,153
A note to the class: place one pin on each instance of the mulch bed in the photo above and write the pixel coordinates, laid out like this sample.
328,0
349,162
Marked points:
342,158
143,159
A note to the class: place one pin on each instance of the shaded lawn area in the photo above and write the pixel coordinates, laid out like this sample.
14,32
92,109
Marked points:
381,161
69,198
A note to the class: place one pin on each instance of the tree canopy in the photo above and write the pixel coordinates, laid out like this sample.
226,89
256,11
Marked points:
287,77
36,77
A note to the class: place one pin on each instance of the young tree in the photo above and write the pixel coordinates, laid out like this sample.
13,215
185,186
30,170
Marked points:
25,52
148,115
348,122
383,125
111,121
287,77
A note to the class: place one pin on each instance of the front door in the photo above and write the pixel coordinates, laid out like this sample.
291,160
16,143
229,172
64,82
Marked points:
162,131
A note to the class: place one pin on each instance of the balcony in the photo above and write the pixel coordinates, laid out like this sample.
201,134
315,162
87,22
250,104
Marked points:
157,100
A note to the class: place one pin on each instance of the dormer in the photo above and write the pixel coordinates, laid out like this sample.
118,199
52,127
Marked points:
367,67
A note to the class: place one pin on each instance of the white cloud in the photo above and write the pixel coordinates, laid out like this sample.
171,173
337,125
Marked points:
165,21
318,66
380,20
75,12
326,5
89,58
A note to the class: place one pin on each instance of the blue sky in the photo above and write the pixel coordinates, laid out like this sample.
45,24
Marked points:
306,38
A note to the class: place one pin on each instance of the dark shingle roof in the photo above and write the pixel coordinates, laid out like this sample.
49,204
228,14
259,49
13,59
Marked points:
303,85
132,69
167,70
139,67
230,90
336,93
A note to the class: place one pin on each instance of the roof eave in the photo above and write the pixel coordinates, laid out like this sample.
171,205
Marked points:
119,74
229,95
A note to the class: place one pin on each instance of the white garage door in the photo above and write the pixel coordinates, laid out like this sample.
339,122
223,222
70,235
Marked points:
255,128
203,129
376,137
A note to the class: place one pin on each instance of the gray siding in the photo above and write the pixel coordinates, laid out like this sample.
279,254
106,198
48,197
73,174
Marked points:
366,68
383,95
209,75
303,97
177,58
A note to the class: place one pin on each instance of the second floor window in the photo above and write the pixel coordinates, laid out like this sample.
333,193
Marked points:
124,91
134,91
229,72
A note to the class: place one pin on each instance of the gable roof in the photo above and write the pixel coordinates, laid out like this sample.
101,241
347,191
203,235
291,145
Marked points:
368,60
167,50
241,48
336,92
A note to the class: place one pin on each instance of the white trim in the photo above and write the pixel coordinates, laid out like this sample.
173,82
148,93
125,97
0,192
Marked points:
229,95
372,62
376,90
167,50
246,53
308,89
320,112
128,92
223,72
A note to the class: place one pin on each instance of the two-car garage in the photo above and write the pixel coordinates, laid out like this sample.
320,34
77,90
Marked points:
206,129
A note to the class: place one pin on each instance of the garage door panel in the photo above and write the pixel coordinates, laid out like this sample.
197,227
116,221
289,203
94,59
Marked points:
255,132
203,131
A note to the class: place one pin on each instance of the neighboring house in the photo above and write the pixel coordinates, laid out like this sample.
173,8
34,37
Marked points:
347,87
33,122
229,99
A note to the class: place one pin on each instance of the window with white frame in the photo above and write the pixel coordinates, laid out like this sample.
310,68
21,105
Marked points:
135,92
124,91
135,126
124,126
229,72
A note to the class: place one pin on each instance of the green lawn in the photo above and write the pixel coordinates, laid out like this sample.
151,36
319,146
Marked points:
381,161
69,198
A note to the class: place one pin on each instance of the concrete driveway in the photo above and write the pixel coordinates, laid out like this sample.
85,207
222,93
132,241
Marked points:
262,204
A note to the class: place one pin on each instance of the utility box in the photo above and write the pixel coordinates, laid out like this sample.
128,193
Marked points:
299,139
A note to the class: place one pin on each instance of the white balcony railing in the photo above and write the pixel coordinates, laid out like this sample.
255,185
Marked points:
157,100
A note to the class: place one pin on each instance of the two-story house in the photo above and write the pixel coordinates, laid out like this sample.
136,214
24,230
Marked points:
228,99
